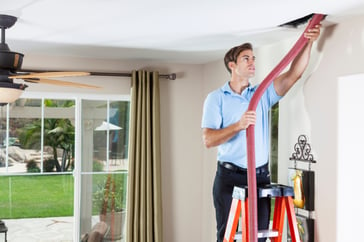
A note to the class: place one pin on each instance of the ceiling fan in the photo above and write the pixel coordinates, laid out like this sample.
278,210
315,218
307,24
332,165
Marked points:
10,66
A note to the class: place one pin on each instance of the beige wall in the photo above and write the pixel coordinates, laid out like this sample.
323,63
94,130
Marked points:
342,55
188,168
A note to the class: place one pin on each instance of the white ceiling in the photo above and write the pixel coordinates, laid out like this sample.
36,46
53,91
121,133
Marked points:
185,31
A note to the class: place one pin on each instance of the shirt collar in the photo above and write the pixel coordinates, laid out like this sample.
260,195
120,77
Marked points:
227,89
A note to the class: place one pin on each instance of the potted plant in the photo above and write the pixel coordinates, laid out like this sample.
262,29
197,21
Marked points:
109,202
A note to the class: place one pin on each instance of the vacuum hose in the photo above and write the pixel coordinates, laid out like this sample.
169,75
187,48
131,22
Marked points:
252,183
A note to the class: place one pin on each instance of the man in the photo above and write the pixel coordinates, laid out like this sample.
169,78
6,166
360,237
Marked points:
225,120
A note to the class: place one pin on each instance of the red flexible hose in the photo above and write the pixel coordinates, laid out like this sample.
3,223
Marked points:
252,182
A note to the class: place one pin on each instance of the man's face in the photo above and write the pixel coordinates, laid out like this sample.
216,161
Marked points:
245,64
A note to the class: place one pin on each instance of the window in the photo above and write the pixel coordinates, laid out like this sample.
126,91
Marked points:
274,118
57,157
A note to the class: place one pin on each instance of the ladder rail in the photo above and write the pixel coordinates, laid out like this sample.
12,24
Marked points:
232,224
292,222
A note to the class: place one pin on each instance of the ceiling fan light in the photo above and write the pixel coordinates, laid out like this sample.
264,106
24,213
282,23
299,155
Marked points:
9,92
9,95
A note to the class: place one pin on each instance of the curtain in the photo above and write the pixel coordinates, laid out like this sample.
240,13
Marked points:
144,206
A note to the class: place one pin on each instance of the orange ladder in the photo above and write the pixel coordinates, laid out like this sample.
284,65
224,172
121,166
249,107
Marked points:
283,202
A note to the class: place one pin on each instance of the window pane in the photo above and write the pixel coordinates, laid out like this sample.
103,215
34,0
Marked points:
59,135
4,163
118,135
94,148
106,130
108,196
21,144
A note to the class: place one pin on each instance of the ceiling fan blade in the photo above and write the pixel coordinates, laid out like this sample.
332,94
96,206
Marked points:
59,83
51,74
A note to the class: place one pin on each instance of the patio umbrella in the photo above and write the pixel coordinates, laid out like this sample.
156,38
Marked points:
107,126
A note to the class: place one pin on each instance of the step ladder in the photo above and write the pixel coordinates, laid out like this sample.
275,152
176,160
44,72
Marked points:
283,202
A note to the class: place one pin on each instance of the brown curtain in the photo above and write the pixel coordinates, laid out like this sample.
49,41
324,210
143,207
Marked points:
144,206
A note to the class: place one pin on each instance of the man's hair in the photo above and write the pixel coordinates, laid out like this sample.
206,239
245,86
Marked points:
233,53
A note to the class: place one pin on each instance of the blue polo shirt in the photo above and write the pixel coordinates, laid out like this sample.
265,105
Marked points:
224,107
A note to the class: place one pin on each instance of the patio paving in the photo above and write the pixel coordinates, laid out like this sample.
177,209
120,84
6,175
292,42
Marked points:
58,229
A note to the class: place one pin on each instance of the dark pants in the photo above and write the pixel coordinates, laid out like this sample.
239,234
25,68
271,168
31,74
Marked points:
224,183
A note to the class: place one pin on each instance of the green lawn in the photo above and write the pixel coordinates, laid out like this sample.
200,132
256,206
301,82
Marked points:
39,196
36,196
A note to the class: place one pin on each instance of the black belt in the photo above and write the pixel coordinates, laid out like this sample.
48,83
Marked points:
230,166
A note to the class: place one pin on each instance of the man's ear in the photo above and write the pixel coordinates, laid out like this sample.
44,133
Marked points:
231,65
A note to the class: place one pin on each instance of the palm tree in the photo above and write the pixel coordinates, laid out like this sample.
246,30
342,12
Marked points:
58,133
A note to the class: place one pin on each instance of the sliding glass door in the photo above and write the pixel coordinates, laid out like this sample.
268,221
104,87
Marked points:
63,167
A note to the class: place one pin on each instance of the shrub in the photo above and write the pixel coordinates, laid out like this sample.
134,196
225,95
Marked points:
32,167
97,166
48,165
109,195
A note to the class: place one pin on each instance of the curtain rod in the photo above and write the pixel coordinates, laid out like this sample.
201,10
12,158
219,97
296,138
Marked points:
171,76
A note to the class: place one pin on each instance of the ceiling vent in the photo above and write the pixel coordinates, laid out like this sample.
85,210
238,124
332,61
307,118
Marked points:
297,22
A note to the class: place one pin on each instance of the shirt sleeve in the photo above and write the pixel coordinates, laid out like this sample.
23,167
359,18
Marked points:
272,95
211,117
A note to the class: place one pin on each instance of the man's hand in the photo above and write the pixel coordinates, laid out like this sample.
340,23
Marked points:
215,137
247,119
313,33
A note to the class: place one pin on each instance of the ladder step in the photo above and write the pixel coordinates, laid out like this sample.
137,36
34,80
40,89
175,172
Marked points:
268,233
270,190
